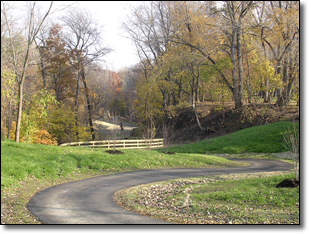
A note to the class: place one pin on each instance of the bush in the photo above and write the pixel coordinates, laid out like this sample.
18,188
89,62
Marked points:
44,137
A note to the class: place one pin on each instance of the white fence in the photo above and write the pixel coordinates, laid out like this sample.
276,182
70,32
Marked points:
129,144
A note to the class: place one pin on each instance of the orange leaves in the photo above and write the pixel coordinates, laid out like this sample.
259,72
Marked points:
44,137
116,83
37,137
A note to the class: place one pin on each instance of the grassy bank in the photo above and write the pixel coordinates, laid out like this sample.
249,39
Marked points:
267,138
19,161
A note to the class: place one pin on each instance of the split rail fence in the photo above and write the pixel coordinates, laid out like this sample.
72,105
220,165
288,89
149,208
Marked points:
110,144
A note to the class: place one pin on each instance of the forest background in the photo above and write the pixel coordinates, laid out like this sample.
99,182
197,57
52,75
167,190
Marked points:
53,86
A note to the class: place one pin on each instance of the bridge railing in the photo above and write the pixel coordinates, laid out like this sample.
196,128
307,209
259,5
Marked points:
129,144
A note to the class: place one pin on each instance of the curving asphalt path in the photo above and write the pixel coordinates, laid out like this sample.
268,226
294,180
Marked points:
90,201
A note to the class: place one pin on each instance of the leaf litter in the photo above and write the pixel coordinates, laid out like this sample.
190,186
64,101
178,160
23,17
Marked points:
172,201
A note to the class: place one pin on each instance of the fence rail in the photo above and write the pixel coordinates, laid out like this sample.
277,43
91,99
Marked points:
129,144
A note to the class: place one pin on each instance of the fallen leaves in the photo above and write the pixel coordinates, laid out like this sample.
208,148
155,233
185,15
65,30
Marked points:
173,202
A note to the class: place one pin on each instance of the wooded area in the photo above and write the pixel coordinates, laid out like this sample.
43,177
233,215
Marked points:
53,86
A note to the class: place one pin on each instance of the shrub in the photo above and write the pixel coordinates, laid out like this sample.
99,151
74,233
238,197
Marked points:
44,137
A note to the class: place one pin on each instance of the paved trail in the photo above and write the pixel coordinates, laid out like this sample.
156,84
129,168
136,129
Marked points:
90,201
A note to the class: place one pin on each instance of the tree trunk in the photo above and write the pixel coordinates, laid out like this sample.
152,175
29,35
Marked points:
235,82
240,62
10,113
40,49
19,110
282,92
196,115
20,95
266,95
249,83
78,83
88,103
195,100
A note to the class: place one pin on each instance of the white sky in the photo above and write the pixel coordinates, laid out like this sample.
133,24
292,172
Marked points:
110,15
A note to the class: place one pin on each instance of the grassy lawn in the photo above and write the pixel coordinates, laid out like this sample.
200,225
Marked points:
27,169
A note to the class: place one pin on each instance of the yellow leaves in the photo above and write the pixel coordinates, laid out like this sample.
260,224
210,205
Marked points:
190,20
264,71
7,84
282,24
149,101
63,124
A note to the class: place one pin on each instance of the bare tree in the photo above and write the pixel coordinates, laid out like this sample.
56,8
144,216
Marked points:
84,41
41,44
99,83
149,27
33,25
129,77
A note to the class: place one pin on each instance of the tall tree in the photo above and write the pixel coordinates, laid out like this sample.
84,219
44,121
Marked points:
58,69
280,34
149,27
33,24
217,30
83,38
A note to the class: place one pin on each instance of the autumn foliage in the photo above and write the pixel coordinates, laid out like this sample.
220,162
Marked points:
54,86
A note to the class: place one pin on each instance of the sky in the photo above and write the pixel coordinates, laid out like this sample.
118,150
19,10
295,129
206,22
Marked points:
110,15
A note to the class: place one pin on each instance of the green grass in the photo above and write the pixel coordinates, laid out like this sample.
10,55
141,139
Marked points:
252,200
19,161
256,192
260,139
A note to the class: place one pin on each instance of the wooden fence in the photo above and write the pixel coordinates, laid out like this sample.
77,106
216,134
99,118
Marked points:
129,144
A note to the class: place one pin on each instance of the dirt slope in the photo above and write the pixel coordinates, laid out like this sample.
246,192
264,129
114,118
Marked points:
219,121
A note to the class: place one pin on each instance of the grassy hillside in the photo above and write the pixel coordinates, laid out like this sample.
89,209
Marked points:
266,138
19,161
